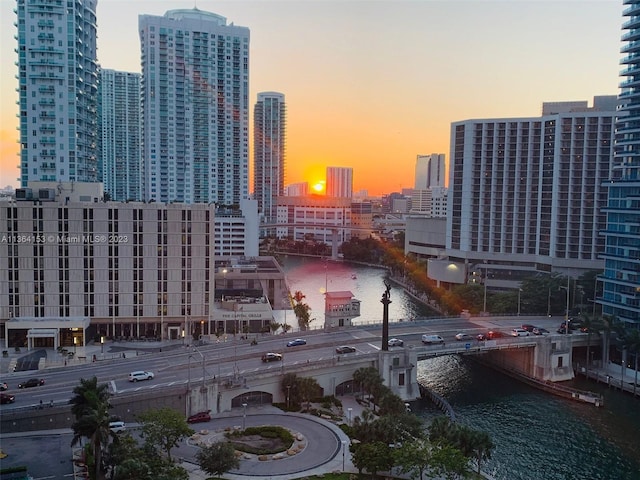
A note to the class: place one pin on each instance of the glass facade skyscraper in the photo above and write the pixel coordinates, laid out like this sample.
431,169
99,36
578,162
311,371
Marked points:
269,135
195,88
58,89
120,134
621,278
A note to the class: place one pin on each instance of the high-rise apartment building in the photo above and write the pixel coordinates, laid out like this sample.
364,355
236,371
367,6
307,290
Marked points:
339,182
120,134
195,97
269,128
58,89
621,277
430,171
527,194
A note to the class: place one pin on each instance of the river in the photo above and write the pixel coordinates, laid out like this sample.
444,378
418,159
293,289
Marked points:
537,436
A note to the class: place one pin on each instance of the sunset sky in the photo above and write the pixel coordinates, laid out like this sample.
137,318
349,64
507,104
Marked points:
371,84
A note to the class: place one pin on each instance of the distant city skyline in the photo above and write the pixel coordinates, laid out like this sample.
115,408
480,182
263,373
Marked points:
370,85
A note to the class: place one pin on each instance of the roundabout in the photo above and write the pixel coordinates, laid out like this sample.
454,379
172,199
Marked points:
316,443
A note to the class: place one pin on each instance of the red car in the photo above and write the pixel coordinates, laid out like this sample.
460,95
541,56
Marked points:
199,417
7,398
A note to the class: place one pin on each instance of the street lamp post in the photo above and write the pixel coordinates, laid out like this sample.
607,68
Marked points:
484,300
566,311
183,333
344,446
349,410
75,341
244,415
102,346
288,391
519,296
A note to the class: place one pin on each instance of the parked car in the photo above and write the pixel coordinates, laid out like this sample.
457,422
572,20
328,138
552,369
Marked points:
140,375
296,342
519,332
3,386
528,327
7,398
540,331
117,427
431,339
32,382
199,417
271,357
462,336
395,342
345,349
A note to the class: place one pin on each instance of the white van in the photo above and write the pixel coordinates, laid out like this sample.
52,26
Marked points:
431,339
117,427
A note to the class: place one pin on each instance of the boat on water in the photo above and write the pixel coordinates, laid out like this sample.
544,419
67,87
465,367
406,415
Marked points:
354,276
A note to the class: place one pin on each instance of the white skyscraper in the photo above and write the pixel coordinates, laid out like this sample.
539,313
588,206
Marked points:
430,171
529,193
269,134
58,88
339,182
195,94
120,134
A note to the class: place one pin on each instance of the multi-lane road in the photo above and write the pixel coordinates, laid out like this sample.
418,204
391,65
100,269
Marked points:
181,365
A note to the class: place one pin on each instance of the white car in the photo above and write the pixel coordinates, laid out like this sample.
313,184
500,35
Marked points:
519,332
117,427
462,336
395,342
141,375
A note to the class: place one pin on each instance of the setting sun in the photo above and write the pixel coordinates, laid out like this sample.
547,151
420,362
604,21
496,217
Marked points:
318,187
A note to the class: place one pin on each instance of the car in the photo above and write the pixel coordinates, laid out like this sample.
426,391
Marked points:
462,336
528,327
296,342
199,417
4,386
540,331
117,427
395,342
431,339
519,332
481,337
7,398
345,349
271,357
140,375
493,334
32,382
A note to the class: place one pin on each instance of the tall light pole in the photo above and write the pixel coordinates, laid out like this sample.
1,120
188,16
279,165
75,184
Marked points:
349,410
244,415
203,359
344,446
288,391
566,311
519,293
102,346
484,300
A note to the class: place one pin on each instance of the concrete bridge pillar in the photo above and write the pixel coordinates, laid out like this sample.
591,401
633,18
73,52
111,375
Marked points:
398,368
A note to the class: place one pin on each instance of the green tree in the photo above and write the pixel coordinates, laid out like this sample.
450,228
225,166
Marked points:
301,310
630,340
481,446
308,389
413,458
372,457
217,458
274,326
163,428
369,380
449,462
90,407
130,462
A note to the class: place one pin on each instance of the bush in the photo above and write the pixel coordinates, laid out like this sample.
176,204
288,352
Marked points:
268,431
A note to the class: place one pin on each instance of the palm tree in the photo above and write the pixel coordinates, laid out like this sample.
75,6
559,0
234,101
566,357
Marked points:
631,343
591,323
90,405
481,446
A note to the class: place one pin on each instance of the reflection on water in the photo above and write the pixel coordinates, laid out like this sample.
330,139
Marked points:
538,436
314,276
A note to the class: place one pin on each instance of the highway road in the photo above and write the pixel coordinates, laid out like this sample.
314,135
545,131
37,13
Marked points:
179,364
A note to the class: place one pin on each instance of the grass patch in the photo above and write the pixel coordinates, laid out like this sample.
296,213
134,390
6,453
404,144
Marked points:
263,440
